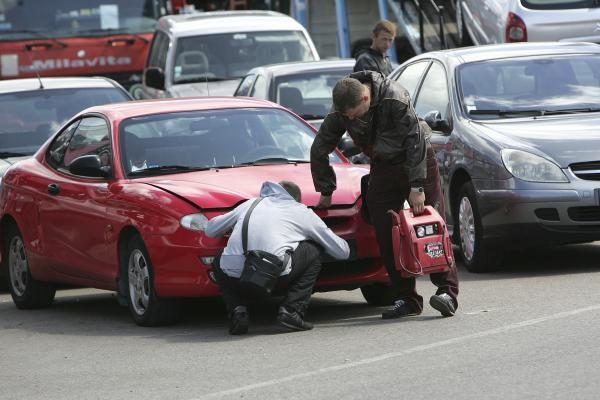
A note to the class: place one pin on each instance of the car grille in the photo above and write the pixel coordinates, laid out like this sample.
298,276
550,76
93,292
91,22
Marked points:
341,268
548,214
589,170
584,214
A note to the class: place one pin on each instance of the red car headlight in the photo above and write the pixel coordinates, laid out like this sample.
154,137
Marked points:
194,222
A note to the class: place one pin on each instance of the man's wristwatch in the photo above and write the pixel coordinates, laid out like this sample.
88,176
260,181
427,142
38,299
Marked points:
418,189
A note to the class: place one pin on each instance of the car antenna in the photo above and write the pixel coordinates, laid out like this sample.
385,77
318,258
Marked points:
37,73
39,79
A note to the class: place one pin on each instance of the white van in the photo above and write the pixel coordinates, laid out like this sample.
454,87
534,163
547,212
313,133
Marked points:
208,53
502,21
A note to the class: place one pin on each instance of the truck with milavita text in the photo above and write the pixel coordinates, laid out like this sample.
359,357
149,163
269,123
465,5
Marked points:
78,37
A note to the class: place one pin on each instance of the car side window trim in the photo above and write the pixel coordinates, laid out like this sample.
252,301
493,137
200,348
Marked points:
423,79
64,170
69,130
420,79
249,82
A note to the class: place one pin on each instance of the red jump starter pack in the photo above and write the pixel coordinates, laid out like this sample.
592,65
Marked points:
421,242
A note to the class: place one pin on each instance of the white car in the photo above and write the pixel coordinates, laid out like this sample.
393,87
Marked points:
209,53
503,21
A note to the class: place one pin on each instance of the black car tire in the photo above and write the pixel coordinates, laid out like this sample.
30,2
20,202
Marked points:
379,294
483,258
146,308
26,292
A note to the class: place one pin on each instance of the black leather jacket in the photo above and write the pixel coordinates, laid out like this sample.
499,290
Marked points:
391,134
373,60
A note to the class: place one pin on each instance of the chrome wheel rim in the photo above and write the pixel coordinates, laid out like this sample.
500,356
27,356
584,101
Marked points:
139,282
466,221
17,266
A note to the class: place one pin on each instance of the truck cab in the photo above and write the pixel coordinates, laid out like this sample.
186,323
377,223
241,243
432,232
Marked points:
77,37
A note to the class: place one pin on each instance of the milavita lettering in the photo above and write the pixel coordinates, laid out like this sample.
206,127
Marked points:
62,63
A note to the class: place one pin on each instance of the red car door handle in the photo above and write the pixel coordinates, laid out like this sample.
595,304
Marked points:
53,189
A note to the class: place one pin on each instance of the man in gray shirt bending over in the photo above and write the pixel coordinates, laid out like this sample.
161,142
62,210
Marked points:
280,224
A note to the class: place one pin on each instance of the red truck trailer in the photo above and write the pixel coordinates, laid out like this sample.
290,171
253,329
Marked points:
78,37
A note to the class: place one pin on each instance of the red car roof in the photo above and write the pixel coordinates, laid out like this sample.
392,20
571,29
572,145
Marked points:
145,107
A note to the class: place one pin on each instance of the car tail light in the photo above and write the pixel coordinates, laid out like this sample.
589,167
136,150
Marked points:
516,31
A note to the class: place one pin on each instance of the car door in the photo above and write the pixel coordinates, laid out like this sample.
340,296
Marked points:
74,218
433,97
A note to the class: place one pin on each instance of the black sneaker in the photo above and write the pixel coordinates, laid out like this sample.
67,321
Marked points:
399,309
238,321
293,320
443,303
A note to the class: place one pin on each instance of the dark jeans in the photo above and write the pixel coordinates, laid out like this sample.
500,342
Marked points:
306,265
388,189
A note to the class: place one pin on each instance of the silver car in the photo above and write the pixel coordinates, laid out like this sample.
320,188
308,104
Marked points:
517,136
503,21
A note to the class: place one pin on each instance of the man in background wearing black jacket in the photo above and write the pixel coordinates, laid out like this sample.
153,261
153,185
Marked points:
375,58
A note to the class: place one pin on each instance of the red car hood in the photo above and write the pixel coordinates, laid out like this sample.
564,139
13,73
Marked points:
227,187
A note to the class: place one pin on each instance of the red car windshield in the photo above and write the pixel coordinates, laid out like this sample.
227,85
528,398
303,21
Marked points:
29,118
208,139
39,19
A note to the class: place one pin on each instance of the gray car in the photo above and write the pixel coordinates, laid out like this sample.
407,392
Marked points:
302,87
517,136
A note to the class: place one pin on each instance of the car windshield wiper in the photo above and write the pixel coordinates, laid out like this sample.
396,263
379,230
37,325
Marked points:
6,154
201,79
312,116
535,113
274,160
167,169
570,111
40,35
506,113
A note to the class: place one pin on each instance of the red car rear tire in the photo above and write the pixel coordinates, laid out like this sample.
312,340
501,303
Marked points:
146,308
26,292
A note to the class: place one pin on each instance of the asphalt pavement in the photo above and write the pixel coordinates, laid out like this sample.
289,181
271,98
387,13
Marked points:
526,332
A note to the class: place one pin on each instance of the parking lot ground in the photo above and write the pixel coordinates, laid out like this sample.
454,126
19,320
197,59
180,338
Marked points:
528,331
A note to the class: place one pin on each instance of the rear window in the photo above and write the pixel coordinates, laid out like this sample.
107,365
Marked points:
232,55
29,118
559,4
308,94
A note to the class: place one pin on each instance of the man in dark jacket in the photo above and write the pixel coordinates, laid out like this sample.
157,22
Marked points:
378,115
375,58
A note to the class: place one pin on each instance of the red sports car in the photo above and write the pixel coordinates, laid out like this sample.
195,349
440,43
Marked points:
115,201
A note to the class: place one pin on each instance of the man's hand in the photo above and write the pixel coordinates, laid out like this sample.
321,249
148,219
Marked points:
417,202
324,202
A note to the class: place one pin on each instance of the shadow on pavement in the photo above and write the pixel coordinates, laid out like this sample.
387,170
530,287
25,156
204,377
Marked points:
558,260
82,312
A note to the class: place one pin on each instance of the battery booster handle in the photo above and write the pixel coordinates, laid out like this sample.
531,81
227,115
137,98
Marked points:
398,221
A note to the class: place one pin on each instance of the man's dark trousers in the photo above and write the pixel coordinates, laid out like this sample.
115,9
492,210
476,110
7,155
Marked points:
306,265
388,189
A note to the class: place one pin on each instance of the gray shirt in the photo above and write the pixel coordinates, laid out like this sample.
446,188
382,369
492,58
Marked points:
277,224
